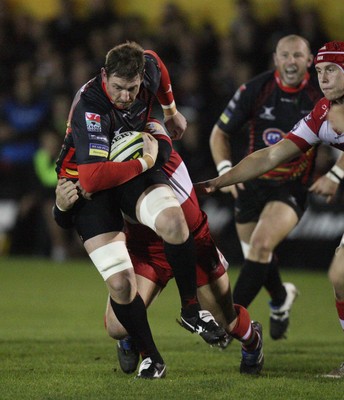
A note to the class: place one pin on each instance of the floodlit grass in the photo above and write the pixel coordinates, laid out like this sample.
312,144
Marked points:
53,345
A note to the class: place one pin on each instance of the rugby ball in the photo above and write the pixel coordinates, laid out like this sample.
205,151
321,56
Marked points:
126,146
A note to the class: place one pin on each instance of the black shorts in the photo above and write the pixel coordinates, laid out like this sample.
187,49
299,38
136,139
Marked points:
129,192
258,192
102,214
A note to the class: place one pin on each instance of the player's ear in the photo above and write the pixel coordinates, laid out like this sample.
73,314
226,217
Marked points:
103,74
310,60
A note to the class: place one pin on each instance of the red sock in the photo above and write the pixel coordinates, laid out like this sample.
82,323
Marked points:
340,311
243,330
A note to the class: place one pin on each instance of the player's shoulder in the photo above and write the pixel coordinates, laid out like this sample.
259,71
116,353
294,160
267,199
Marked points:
321,109
261,79
152,74
257,84
318,115
93,98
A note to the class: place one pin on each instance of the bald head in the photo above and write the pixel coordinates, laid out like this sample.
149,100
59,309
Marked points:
294,39
292,59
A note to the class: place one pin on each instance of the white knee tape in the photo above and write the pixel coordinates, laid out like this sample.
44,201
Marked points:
156,201
111,258
245,247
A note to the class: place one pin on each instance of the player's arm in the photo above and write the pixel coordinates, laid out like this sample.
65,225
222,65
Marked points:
66,195
252,166
155,128
174,121
229,124
222,154
92,149
327,185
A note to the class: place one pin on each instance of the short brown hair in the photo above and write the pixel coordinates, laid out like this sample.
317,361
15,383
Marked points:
125,60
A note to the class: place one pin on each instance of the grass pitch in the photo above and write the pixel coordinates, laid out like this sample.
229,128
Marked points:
53,345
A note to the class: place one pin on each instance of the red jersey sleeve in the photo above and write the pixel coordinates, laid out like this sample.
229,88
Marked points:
105,175
164,94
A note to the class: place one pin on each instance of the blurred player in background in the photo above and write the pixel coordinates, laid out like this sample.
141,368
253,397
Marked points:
270,206
323,125
153,272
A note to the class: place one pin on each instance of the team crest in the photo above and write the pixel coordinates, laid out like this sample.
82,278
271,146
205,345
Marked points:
272,135
93,122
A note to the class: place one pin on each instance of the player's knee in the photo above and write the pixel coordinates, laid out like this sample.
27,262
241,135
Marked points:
161,211
171,226
261,249
122,287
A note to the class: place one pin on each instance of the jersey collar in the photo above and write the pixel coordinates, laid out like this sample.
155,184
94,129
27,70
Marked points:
291,89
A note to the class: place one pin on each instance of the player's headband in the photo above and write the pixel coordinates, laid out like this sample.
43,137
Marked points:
332,52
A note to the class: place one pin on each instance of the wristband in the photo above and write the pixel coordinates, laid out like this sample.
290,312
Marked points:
335,170
223,167
170,110
143,163
147,161
335,174
61,209
332,177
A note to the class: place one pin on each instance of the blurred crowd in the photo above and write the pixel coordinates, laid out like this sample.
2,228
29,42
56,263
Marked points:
44,63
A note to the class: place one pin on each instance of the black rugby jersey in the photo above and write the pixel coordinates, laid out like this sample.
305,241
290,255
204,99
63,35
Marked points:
93,120
270,111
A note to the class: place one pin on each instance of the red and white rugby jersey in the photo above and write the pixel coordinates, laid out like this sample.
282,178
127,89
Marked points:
182,186
315,129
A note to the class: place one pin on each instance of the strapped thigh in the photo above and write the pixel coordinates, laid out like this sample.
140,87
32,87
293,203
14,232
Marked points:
111,258
154,202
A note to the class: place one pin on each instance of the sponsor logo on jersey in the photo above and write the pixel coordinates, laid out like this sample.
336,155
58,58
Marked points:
286,100
118,131
224,118
98,150
267,114
272,135
295,127
98,138
324,114
93,122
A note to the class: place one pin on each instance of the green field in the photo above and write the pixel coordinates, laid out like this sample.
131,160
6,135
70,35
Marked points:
53,344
